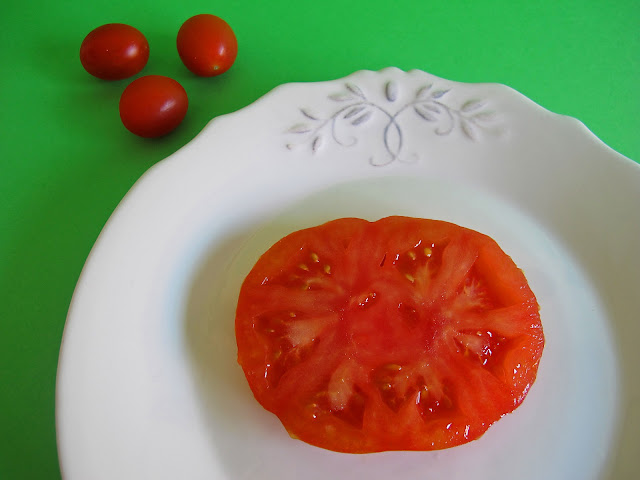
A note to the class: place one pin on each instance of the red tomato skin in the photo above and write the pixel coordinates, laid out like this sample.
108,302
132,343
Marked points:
207,45
114,51
153,105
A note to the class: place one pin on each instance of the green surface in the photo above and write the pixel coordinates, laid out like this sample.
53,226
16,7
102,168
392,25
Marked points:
66,161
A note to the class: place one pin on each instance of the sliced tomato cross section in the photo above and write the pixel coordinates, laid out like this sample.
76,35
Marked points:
399,334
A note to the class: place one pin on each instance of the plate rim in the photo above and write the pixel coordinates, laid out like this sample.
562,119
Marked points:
159,168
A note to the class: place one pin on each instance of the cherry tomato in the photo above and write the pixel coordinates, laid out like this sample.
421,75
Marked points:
153,105
400,334
207,45
114,51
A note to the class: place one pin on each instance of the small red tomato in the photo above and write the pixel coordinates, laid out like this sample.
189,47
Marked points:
114,51
153,105
207,45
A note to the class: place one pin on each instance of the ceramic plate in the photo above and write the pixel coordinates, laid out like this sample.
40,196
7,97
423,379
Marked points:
148,384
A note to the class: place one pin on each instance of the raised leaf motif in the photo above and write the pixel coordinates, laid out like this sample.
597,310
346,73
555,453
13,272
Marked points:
362,118
423,92
316,144
471,106
467,129
484,116
308,114
354,111
431,107
355,90
341,97
300,128
429,117
439,93
391,91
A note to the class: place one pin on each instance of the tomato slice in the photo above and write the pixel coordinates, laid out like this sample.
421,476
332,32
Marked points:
399,334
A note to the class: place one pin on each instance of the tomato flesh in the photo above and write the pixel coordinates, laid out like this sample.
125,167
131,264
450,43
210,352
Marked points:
400,334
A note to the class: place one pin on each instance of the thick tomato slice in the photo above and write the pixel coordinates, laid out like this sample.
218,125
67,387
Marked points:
400,334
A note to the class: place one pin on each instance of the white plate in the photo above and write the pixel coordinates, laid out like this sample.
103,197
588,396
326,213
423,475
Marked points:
148,384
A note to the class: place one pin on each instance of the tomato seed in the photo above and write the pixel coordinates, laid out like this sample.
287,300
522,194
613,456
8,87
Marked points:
368,299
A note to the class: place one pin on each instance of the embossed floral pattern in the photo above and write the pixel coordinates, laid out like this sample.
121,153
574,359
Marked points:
354,109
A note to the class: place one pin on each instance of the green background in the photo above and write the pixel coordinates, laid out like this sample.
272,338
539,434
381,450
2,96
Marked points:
66,160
